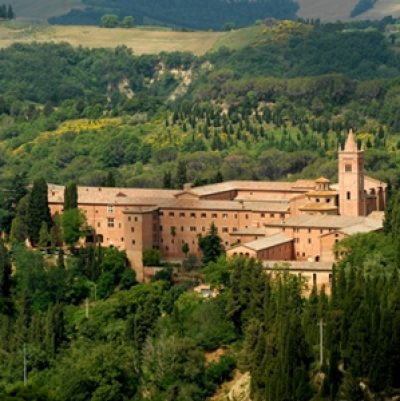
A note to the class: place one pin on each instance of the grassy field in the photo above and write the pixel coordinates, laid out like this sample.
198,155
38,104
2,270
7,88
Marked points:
141,41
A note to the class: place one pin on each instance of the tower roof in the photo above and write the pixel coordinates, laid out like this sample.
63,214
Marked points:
351,143
322,180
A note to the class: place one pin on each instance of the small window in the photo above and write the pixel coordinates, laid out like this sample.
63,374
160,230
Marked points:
182,214
161,228
110,222
182,228
172,214
348,195
314,278
225,229
309,240
272,215
193,215
309,230
347,168
132,229
129,218
225,215
203,215
262,214
214,215
136,219
110,208
133,242
98,225
161,213
122,239
192,228
247,216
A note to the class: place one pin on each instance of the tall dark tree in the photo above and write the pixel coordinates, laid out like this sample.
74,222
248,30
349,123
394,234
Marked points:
39,211
211,245
70,196
5,272
181,174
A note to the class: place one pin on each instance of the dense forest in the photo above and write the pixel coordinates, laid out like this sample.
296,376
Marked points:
162,341
193,14
76,325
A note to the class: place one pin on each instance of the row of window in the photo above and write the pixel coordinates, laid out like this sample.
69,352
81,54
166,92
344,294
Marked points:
297,240
194,229
203,215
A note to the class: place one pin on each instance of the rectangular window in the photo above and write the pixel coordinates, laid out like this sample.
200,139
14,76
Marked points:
192,215
110,208
203,215
182,214
347,168
136,219
98,225
348,195
225,229
110,222
192,228
225,215
133,242
262,214
172,214
314,278
214,215
161,213
132,229
129,218
272,215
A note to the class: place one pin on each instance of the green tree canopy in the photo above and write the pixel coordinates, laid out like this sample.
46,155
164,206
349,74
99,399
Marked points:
211,245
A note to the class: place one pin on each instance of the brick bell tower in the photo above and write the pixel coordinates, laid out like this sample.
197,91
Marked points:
351,179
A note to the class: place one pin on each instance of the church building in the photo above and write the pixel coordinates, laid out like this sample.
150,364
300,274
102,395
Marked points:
294,222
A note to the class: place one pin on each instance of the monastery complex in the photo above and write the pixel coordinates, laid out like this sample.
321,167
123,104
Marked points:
298,222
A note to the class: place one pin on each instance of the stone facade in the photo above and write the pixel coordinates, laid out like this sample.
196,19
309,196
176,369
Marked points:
293,221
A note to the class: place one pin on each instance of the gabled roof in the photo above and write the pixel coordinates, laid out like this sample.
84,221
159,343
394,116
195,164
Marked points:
296,186
106,195
324,221
266,242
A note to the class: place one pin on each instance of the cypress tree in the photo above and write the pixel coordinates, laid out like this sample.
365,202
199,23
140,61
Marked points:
70,196
10,12
211,245
38,209
181,174
5,272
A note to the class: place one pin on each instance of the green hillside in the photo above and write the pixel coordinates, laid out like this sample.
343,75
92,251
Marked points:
43,9
272,101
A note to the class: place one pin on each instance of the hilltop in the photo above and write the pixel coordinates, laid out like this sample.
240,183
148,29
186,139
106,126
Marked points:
197,15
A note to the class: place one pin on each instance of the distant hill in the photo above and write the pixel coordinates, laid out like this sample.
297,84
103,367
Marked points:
192,14
202,14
